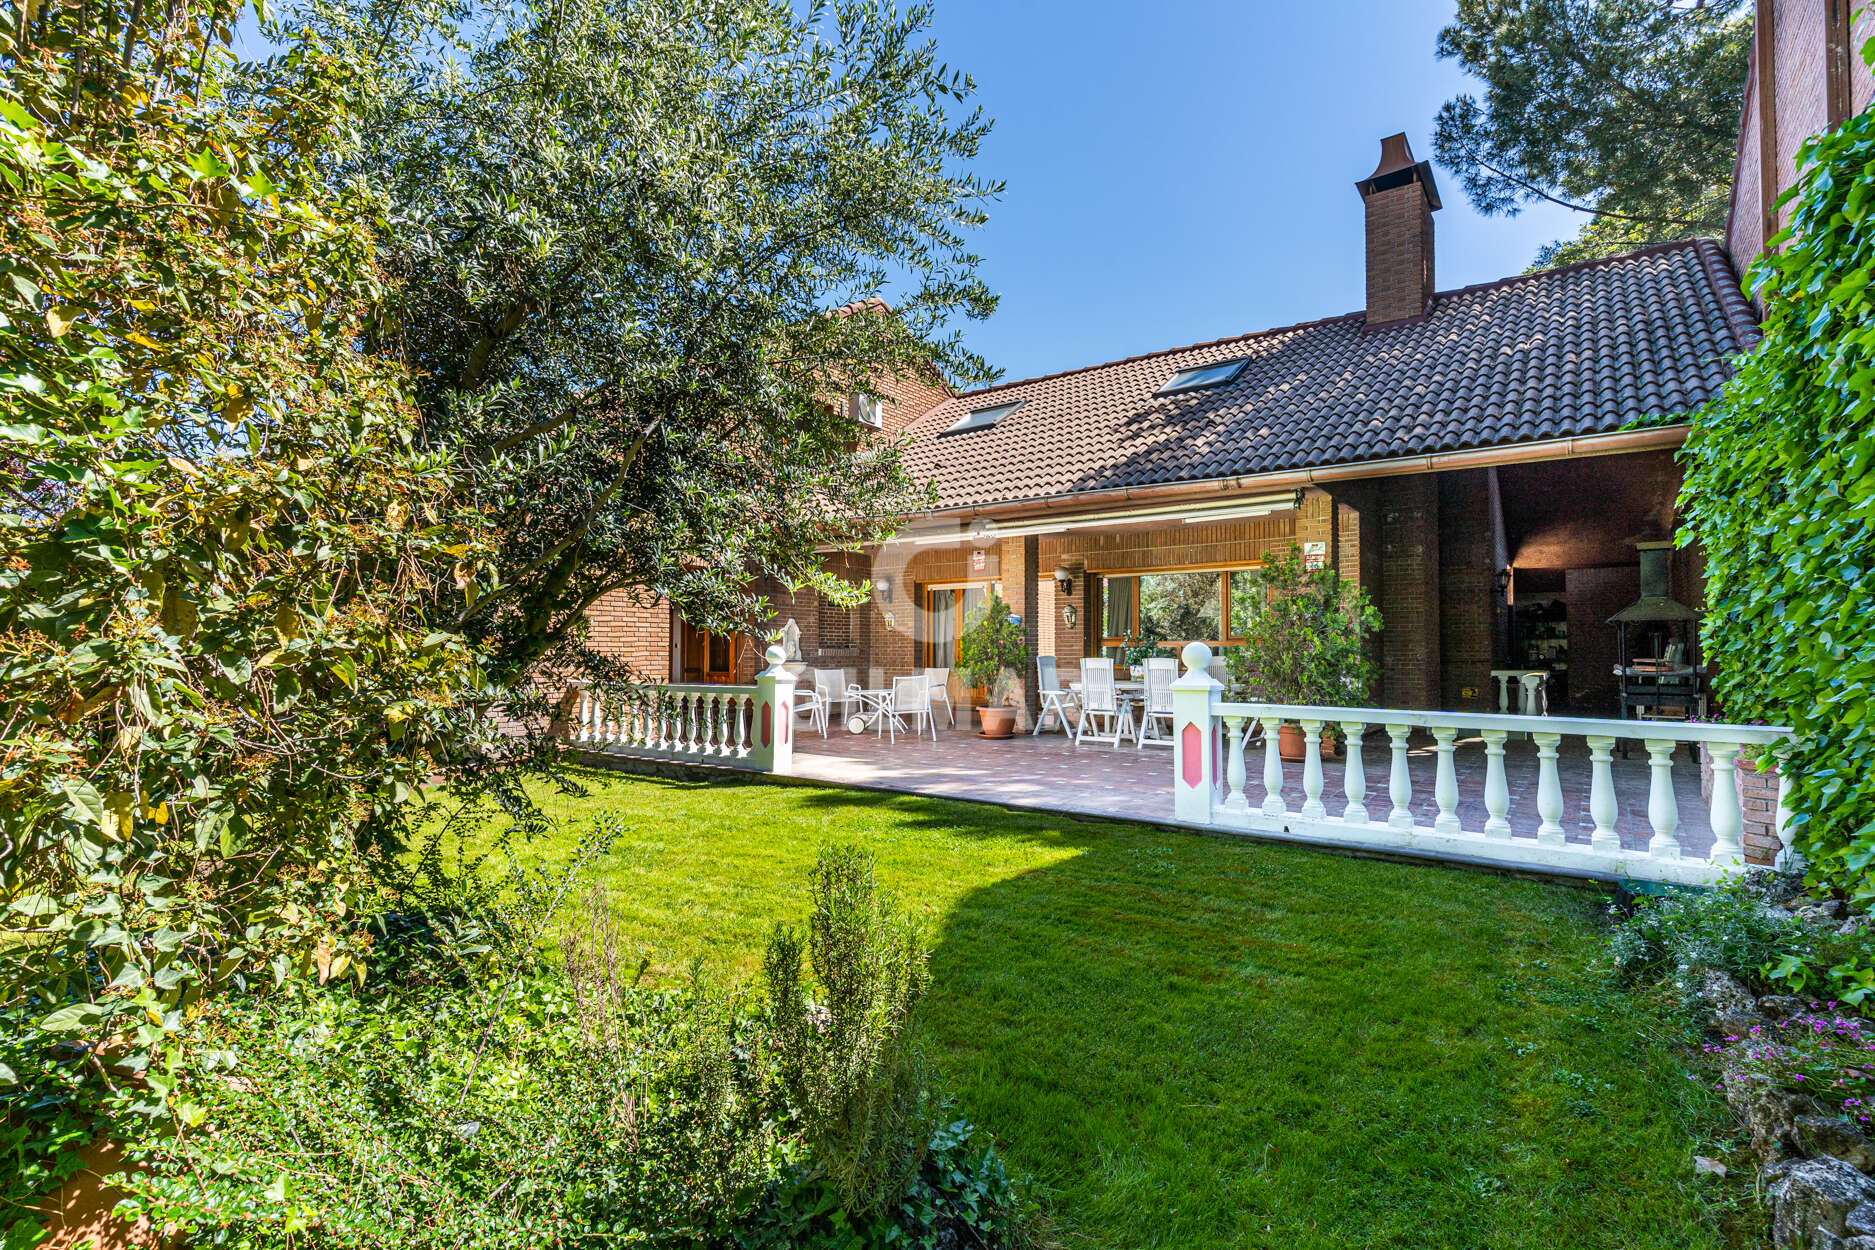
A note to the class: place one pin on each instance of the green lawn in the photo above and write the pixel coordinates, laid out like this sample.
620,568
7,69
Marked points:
1181,1041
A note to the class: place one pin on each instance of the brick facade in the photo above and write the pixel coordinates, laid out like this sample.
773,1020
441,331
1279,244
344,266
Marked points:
1815,78
1408,593
629,626
1400,202
1467,593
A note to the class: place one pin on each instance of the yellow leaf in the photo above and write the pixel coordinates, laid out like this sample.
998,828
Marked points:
60,318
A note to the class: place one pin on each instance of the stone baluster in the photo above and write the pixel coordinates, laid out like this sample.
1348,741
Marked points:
1727,820
1445,781
1312,807
1272,768
1354,783
1663,809
1400,779
1604,809
1496,790
1787,858
1234,774
1549,802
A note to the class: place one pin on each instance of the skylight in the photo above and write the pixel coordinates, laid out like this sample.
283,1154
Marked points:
1198,377
982,418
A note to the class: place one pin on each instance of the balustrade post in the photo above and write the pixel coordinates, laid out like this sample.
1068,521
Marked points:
1312,807
1604,808
1549,804
1400,779
1663,809
1273,804
1788,860
1496,790
1727,820
1234,799
1195,749
773,748
1354,783
1445,781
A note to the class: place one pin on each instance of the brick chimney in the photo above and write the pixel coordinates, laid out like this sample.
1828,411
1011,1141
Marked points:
1401,197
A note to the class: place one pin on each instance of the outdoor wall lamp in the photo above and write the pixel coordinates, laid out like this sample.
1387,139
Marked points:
1064,579
884,586
1071,615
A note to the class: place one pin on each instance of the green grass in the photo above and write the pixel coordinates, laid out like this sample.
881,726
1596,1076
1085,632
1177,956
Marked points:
1181,1041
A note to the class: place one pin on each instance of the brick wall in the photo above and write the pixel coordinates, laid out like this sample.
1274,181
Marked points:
1467,595
635,628
1408,597
908,398
1590,597
1020,556
1798,87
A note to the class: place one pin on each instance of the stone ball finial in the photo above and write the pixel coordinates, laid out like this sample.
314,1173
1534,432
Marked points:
1197,657
774,655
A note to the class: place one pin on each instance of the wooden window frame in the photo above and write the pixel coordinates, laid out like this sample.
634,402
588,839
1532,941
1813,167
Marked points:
1227,570
927,646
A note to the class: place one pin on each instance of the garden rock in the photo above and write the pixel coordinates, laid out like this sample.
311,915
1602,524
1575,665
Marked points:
1829,911
1728,1005
1836,1136
1861,1221
1768,1112
1858,1243
1780,1006
1854,926
1814,1198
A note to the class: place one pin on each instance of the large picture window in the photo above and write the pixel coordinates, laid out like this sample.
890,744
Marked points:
1153,613
949,612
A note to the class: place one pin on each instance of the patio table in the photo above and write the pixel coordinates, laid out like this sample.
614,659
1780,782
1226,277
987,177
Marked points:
873,706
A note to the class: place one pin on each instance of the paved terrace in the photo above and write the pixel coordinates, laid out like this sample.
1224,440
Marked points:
1050,772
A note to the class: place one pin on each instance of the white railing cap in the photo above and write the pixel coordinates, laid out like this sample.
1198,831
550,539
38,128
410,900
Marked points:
1586,726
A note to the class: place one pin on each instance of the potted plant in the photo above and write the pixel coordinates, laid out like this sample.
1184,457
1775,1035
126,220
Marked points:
993,652
1305,633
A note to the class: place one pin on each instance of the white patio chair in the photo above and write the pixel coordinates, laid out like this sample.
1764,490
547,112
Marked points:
939,680
1161,672
831,690
808,702
910,708
1100,703
1055,697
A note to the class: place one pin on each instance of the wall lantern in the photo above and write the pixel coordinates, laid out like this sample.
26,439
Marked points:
1064,579
884,586
1071,615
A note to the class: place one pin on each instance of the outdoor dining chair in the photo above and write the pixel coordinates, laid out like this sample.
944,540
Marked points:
1056,698
1161,672
940,683
1101,707
910,707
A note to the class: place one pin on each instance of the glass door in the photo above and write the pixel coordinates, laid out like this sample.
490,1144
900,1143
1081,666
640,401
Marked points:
709,657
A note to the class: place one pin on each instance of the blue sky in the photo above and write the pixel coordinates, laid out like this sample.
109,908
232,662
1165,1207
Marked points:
1185,171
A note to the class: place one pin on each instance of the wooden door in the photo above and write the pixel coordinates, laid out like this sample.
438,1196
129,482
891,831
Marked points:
709,657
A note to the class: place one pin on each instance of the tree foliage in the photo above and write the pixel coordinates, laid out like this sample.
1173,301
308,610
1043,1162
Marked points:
635,243
1780,494
993,651
218,690
1624,108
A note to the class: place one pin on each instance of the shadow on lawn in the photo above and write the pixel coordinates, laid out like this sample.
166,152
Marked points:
1190,1042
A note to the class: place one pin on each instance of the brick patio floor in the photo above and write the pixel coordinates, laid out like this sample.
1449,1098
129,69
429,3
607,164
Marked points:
1050,772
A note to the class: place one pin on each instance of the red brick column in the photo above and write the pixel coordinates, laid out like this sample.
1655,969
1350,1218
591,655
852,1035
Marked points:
1020,556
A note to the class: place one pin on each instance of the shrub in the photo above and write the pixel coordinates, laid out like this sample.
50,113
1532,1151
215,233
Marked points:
993,652
1729,927
1305,635
850,1066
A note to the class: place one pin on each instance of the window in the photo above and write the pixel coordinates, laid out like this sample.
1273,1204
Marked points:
866,409
836,626
950,611
1198,377
1155,613
982,418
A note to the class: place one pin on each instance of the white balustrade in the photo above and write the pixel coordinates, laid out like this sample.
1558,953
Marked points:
742,726
1535,829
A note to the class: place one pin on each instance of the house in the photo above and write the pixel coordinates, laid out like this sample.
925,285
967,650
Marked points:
1484,461
1806,75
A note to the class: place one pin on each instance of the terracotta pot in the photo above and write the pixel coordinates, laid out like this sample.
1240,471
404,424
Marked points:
1290,744
997,722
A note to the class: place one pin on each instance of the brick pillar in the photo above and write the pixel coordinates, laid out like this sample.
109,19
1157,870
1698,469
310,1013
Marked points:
1315,523
1020,556
1409,598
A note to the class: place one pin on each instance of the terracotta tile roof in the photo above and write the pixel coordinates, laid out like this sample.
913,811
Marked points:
1584,349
